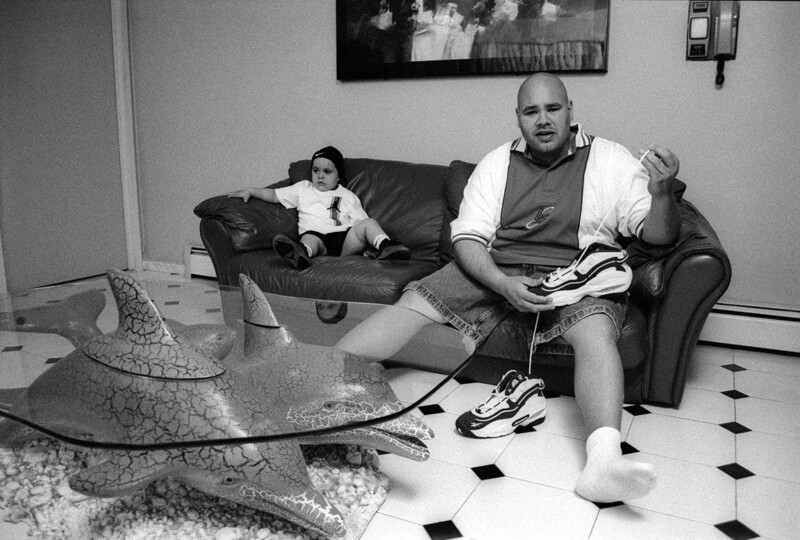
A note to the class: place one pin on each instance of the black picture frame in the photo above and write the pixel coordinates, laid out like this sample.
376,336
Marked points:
395,39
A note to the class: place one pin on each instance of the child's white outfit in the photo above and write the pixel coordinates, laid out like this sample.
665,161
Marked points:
322,211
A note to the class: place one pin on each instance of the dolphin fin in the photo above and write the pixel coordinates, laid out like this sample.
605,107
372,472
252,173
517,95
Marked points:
143,343
256,308
261,326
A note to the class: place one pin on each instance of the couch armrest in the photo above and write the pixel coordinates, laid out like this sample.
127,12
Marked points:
696,273
250,225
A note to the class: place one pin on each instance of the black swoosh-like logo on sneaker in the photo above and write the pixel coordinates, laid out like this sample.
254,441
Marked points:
518,421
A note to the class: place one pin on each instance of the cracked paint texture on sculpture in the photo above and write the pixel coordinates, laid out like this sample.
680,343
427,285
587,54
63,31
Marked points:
110,390
320,387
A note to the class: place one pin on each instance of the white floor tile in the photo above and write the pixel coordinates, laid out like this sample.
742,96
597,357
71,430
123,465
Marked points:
20,368
627,523
702,405
563,418
427,491
411,384
509,509
687,440
690,491
448,445
771,363
769,507
769,416
544,458
44,345
708,377
466,397
769,455
761,384
383,527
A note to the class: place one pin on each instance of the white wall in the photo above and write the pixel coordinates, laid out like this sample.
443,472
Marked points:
227,93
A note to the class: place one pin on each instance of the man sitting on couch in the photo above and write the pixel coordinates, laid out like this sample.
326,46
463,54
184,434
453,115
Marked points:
532,206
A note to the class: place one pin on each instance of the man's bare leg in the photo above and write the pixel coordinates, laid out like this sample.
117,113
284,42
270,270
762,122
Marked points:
386,331
607,476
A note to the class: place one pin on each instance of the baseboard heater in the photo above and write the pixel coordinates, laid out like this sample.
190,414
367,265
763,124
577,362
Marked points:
750,327
728,324
198,263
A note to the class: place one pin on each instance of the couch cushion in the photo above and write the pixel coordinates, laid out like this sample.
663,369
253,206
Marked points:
405,198
353,278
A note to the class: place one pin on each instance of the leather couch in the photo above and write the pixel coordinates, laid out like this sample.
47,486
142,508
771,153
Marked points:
673,289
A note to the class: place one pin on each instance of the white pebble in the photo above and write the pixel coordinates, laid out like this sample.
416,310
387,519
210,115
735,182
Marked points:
228,533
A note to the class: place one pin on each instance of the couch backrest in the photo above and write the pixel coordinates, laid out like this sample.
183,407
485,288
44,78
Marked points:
407,199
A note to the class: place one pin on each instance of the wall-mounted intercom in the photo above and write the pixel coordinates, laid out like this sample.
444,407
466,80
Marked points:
711,32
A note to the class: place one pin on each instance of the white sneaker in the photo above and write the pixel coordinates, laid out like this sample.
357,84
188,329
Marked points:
598,271
515,401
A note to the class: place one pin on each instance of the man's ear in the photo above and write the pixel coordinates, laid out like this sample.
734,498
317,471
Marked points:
569,108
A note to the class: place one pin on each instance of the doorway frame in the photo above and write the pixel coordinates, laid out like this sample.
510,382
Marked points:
120,27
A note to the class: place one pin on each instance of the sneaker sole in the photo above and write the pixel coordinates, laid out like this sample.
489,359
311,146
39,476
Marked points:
606,282
500,428
394,253
291,253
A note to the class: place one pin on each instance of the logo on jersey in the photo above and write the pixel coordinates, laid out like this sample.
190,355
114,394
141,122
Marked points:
334,209
542,213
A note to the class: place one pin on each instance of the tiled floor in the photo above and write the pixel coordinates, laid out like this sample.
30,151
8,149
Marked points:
728,460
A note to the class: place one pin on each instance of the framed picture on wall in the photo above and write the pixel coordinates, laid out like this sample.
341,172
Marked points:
388,39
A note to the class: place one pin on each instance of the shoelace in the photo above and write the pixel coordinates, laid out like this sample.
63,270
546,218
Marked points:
555,274
597,230
497,397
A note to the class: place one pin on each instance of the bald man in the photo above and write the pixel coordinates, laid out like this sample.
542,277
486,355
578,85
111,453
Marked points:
532,206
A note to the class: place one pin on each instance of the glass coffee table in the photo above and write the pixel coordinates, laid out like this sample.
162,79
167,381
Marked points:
286,366
218,388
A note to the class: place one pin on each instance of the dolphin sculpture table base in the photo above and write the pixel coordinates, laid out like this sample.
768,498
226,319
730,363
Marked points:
146,384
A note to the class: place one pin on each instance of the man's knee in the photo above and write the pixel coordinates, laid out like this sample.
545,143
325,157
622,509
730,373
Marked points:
415,302
595,330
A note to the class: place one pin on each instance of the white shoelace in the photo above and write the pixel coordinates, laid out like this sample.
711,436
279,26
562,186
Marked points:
532,347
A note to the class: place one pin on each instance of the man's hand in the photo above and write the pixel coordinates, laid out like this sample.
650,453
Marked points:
663,222
516,290
662,166
475,260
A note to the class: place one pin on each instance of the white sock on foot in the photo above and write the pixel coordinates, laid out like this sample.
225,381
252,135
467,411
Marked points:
608,476
378,239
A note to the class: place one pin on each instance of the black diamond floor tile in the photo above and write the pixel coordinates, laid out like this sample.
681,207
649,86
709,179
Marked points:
172,303
431,409
443,530
735,427
735,530
12,349
735,471
735,394
52,360
627,448
733,367
487,472
636,410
